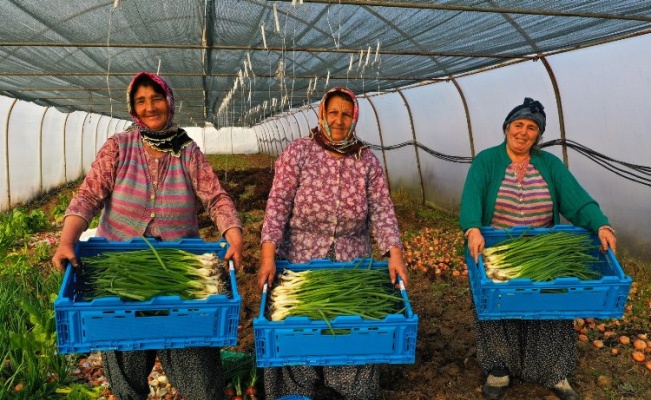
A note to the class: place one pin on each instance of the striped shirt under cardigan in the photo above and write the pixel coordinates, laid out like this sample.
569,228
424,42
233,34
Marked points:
526,203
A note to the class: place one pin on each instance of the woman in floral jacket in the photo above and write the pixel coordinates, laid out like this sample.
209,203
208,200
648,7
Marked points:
329,196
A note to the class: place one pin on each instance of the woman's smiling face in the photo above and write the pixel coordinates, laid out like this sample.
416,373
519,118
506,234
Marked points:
339,114
151,107
521,135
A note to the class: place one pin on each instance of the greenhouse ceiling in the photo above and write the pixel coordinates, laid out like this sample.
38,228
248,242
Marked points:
235,62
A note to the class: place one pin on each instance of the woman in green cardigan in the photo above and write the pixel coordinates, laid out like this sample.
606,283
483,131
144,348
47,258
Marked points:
517,184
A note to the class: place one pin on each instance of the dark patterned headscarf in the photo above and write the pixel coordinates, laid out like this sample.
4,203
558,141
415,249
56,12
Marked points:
321,134
530,109
169,139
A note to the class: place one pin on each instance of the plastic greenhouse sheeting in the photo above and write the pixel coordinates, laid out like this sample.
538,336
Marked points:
43,148
601,135
237,62
434,79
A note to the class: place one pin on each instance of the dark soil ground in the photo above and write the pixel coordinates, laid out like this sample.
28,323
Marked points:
446,366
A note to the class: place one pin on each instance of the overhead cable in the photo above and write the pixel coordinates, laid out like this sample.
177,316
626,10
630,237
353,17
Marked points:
636,173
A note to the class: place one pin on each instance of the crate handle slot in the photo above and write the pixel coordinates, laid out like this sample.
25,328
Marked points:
153,313
553,291
336,331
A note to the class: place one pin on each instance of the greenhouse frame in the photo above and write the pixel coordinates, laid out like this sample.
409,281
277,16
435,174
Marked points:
435,81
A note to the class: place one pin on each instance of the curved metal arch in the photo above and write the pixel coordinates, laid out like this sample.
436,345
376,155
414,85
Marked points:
316,113
7,174
263,138
257,138
40,150
550,74
81,153
297,126
65,147
267,128
559,107
277,135
413,134
273,140
307,120
379,127
284,132
466,110
261,133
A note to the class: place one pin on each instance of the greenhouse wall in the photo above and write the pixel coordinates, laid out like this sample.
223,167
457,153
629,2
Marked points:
230,140
602,107
440,177
42,148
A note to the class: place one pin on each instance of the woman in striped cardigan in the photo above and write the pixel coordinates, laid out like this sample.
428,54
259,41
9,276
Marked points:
146,181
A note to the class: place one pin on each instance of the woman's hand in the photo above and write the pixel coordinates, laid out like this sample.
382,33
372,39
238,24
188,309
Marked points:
397,266
476,243
235,244
607,238
73,226
65,252
267,271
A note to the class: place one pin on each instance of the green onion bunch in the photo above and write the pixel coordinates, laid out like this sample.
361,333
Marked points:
140,275
328,293
542,257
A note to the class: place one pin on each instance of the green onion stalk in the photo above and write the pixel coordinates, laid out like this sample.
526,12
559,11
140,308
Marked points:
542,257
140,275
328,293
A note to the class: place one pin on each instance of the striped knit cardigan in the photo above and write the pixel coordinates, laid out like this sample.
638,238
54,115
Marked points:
134,203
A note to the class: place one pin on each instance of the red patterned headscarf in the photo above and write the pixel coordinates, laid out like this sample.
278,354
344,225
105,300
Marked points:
169,139
321,134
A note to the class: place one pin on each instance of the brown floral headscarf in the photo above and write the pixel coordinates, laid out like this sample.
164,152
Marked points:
321,134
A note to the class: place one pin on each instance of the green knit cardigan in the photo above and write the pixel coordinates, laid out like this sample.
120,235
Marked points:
487,172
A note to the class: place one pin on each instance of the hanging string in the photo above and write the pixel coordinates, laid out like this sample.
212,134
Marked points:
280,70
108,48
376,64
350,67
293,58
377,53
335,37
264,37
276,21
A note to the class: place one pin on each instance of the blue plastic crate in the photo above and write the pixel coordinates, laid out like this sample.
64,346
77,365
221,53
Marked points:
302,341
563,298
293,397
163,322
